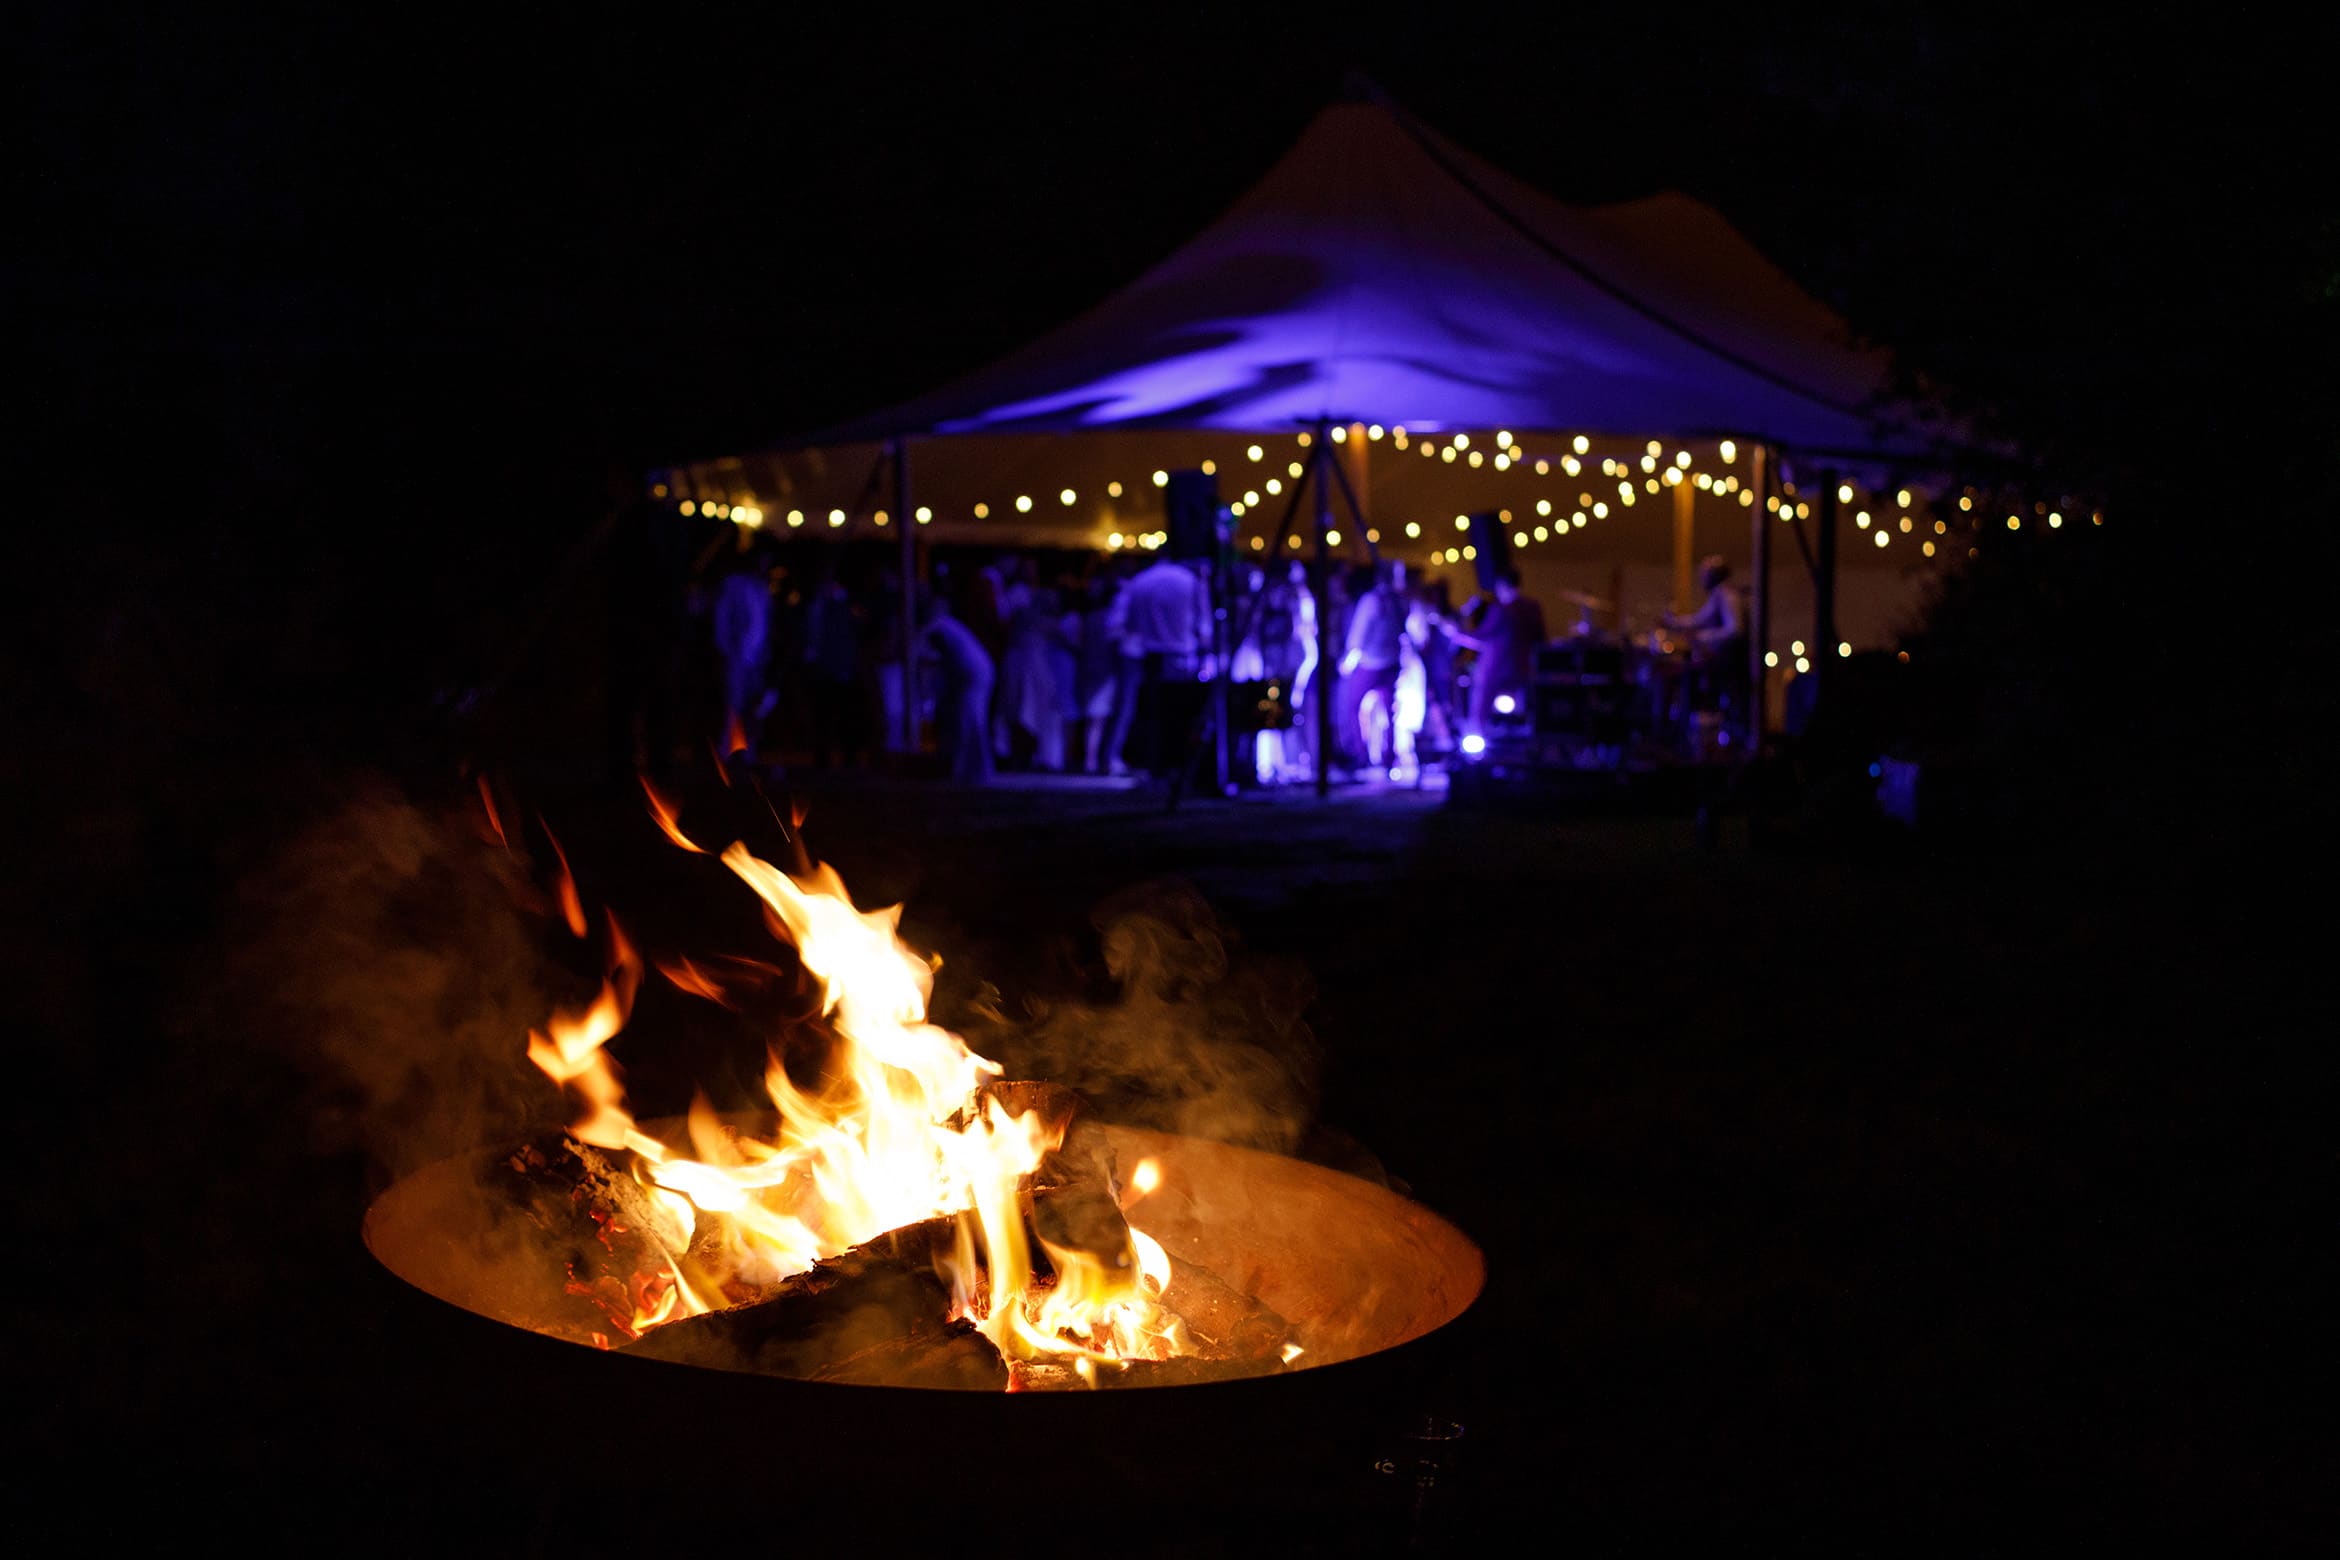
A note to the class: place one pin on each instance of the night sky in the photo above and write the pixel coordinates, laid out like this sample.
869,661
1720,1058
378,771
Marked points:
332,314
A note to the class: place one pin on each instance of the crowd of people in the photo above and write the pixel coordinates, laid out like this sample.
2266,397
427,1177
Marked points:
1062,663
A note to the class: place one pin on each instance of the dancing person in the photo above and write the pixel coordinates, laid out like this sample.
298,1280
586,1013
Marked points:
832,665
1506,637
1370,663
1286,634
963,697
1164,620
1030,713
1097,663
742,616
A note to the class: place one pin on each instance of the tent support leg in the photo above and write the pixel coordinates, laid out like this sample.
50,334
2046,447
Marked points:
907,518
1759,605
1824,583
1323,688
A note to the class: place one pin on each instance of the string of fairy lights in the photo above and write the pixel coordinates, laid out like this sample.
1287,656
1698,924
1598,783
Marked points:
1571,489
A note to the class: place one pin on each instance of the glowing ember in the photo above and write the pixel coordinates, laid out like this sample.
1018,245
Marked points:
899,1131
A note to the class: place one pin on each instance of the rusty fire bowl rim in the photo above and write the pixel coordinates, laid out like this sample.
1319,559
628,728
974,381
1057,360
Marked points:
1357,1268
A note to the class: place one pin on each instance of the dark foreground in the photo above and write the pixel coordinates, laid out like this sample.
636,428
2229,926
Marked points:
1826,1198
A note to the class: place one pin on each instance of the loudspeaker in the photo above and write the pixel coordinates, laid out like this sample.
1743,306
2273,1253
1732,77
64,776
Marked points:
1192,502
1488,536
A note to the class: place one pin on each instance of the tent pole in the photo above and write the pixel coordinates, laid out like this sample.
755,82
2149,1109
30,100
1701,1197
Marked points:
1824,584
1222,592
908,520
1759,612
1327,674
1682,523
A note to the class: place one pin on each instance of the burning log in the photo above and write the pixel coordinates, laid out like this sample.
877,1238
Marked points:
1075,1201
877,1315
1227,1336
592,1217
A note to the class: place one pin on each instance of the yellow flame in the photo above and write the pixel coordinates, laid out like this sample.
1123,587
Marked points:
898,1131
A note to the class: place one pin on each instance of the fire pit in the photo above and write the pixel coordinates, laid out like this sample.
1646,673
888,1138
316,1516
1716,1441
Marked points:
1354,1268
904,1218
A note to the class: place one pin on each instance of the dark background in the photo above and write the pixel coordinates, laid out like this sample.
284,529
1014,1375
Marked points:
333,326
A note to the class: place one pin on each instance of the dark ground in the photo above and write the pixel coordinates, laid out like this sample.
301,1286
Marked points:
1894,1202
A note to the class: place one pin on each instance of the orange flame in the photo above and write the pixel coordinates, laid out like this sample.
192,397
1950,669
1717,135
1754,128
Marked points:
487,799
897,1132
664,811
572,908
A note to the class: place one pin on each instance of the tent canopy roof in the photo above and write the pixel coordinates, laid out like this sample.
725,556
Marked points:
1379,273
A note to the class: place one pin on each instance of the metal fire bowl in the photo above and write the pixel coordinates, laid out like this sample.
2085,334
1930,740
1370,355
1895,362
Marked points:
1361,1272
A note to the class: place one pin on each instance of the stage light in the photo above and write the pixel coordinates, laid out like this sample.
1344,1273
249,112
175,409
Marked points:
1505,704
1473,745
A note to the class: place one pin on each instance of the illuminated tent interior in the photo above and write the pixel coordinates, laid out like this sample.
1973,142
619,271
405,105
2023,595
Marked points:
1471,343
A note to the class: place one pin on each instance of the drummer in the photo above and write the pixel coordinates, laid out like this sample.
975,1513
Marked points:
1719,625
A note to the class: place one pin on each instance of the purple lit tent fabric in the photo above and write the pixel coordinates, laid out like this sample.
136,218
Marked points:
1380,274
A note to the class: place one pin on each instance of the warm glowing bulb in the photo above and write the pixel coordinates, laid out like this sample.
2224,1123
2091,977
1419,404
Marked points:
1883,537
1862,519
1803,665
796,516
1519,538
1796,647
1543,506
1682,458
1251,496
1112,490
1844,492
1844,649
1374,431
1023,503
836,517
1258,542
1210,468
1580,444
1274,486
1065,497
1541,533
1294,469
982,511
1470,552
689,508
1332,538
1730,452
1413,528
924,514
1462,522
1161,479
1771,658
1474,744
1902,498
